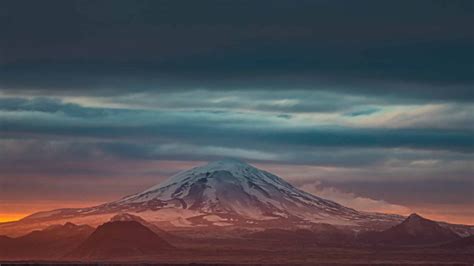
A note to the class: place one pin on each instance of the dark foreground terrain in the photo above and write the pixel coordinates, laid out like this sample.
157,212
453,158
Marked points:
132,240
228,255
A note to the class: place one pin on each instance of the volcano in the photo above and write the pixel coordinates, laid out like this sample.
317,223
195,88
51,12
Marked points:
231,192
224,193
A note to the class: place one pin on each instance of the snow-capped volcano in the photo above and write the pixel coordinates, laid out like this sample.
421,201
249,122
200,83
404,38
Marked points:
235,188
221,193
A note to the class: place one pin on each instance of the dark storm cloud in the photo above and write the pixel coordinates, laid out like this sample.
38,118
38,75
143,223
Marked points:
50,118
421,49
369,97
45,153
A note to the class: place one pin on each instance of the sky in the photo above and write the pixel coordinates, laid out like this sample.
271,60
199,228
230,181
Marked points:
368,103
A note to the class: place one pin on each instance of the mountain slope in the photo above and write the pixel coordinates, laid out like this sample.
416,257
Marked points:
415,230
52,242
238,190
222,193
232,192
462,243
121,239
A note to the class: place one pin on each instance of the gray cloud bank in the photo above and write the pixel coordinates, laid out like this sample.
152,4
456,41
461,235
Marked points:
365,99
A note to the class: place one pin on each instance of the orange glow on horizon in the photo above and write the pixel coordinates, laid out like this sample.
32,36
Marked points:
14,211
12,217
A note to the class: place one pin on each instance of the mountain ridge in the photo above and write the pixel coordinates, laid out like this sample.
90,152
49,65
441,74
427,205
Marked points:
51,242
414,230
221,193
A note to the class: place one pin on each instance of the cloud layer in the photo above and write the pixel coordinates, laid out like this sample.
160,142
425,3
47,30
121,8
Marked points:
106,98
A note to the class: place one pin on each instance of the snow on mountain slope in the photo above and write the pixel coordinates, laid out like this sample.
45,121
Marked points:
227,192
239,189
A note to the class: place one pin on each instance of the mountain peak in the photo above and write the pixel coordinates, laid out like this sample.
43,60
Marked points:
415,216
69,225
415,219
233,166
125,217
416,222
66,226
